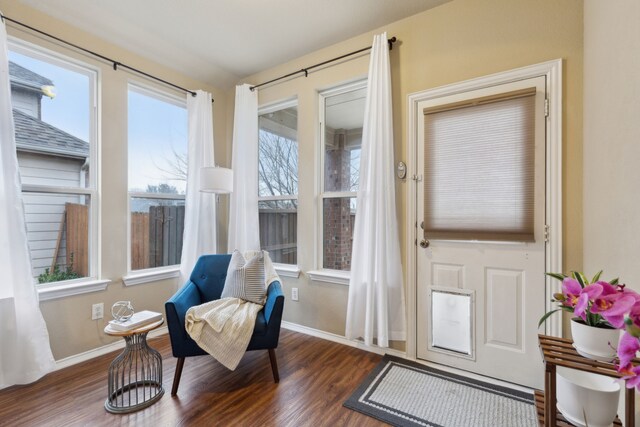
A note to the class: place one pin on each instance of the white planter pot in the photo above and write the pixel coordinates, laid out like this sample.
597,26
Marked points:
581,394
595,343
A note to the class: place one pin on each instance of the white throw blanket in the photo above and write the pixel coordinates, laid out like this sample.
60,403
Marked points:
223,328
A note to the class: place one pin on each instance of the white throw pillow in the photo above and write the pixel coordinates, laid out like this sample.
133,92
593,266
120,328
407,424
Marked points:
245,278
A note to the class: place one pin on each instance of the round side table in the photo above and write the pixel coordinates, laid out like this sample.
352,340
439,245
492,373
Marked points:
135,376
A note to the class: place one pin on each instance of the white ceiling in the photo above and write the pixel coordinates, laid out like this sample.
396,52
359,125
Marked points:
222,41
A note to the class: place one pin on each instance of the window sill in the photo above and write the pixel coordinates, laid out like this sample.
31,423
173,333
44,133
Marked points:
146,276
60,290
287,270
330,276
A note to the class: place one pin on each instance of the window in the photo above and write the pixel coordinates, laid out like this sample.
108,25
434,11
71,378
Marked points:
55,116
157,177
278,182
479,168
342,119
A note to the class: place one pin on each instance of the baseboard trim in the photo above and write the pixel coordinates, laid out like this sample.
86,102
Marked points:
100,351
341,340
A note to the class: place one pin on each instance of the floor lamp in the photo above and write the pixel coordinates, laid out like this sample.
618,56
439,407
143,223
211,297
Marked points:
214,179
217,180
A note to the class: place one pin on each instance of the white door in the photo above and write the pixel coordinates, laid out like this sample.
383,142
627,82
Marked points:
480,293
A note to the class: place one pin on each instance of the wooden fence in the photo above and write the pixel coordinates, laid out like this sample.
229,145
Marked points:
139,240
156,237
279,234
77,235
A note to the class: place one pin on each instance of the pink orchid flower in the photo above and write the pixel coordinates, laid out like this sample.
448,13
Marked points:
571,290
608,288
633,322
578,297
631,375
627,348
629,292
613,306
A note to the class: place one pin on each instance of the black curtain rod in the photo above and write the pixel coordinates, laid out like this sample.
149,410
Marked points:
305,70
115,63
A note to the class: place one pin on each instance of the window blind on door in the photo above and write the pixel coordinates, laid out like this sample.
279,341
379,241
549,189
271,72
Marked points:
479,168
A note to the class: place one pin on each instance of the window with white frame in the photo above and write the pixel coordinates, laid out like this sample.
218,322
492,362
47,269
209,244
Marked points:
55,116
278,181
157,140
342,118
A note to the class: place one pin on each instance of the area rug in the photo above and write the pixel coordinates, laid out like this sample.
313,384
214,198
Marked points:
405,393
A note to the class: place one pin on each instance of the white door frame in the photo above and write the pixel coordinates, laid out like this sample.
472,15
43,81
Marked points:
552,70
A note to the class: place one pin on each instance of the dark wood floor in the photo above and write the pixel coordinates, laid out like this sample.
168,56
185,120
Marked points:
316,377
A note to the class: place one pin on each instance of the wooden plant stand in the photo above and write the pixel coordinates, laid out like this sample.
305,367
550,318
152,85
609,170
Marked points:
560,352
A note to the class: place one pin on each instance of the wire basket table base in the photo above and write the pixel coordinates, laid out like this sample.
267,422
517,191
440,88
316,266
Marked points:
135,377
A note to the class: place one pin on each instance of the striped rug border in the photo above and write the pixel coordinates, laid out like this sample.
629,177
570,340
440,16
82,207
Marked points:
359,400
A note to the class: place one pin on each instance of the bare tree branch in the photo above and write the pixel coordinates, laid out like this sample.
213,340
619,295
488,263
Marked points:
177,165
278,168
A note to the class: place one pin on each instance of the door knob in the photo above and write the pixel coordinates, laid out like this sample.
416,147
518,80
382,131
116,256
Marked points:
424,243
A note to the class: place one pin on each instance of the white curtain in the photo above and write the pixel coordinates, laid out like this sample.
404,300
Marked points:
25,354
376,295
199,236
243,213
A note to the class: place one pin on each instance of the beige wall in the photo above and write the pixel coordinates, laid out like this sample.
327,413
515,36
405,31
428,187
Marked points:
457,41
71,329
612,139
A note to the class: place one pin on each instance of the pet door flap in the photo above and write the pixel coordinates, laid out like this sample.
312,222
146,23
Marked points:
451,320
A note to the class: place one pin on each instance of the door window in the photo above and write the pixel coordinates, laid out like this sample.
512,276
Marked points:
479,168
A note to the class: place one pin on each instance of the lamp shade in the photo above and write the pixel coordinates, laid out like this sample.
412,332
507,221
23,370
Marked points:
216,180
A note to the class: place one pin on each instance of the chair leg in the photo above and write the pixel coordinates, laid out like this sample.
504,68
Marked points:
274,365
177,375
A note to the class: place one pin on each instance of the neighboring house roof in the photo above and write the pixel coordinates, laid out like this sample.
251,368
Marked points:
25,77
35,135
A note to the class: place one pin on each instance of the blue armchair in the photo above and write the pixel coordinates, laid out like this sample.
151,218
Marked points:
206,284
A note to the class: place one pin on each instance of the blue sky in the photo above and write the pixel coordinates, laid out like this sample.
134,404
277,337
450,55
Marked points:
69,110
156,128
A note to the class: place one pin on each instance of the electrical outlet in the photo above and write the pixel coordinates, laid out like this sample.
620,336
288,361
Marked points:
294,294
97,311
